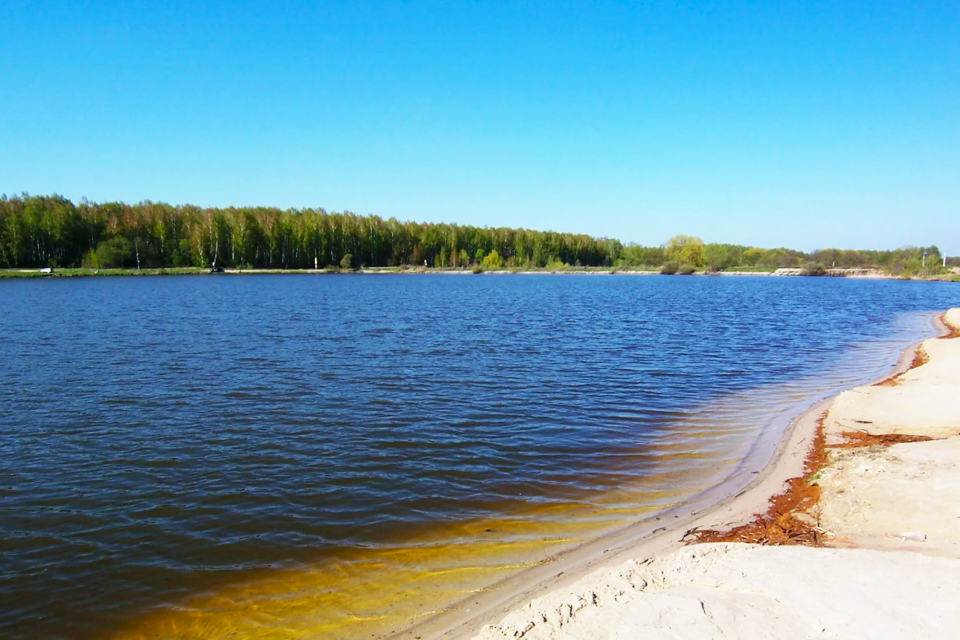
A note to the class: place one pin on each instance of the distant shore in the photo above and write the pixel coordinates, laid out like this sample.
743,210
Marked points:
860,493
873,274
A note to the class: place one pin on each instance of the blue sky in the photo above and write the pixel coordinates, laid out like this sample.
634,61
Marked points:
807,125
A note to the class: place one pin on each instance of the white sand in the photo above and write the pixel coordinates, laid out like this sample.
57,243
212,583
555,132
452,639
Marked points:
884,588
728,590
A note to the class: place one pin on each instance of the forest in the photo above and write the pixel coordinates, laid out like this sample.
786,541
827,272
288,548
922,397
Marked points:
52,231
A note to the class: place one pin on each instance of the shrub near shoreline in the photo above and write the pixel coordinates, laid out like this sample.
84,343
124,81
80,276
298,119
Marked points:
676,268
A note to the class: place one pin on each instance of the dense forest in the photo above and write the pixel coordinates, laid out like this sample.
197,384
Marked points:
52,231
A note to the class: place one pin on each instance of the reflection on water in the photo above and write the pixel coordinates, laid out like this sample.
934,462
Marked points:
339,456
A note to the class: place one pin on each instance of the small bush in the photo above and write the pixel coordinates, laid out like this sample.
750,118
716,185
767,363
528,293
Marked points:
686,270
346,262
112,254
492,261
670,268
90,260
814,270
477,269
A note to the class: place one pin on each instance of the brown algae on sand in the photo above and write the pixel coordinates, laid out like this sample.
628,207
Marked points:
793,515
787,520
920,358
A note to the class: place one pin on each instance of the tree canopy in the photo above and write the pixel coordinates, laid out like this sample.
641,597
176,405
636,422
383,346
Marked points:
686,250
52,231
39,231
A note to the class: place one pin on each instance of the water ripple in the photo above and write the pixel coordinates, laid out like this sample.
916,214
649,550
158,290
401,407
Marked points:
174,436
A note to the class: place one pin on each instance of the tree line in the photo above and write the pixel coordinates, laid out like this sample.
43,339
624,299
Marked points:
52,231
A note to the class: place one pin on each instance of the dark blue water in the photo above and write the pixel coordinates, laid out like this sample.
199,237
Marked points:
159,436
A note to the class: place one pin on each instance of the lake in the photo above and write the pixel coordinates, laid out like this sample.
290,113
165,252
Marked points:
314,456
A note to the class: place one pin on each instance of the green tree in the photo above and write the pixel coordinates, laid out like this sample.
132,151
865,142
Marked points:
115,253
753,256
686,250
346,262
493,261
37,231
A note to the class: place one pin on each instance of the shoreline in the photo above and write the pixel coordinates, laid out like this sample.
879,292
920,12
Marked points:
721,508
854,274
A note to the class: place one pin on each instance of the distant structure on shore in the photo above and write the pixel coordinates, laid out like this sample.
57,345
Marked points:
835,273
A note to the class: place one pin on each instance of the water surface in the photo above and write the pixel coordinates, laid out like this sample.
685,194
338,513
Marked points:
335,456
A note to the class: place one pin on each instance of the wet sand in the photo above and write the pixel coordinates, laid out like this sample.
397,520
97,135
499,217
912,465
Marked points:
826,518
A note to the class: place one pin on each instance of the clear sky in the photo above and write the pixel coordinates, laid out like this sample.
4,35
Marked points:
808,124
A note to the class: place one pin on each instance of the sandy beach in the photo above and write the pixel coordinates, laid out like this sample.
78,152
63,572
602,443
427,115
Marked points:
853,531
